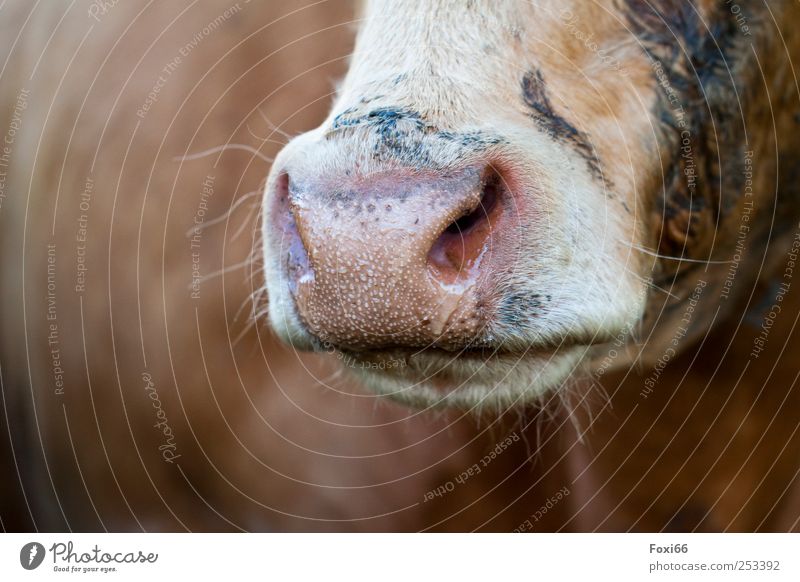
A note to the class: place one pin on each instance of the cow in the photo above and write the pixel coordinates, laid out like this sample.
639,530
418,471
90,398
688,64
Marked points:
532,271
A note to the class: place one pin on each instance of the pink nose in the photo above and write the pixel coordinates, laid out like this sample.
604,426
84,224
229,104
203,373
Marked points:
388,260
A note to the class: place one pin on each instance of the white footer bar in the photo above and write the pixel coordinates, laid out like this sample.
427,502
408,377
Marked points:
400,557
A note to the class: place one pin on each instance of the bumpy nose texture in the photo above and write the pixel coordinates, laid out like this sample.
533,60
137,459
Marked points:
389,260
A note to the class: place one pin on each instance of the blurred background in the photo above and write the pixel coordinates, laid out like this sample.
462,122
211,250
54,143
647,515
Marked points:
140,393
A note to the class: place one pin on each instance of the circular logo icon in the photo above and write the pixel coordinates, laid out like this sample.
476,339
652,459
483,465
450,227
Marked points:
31,555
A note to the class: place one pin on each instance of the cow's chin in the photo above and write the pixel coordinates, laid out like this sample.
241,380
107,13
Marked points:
479,381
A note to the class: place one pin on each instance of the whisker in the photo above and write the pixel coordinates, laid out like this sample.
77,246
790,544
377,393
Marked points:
248,220
668,258
222,148
257,313
651,284
272,126
263,139
253,300
201,227
225,270
251,324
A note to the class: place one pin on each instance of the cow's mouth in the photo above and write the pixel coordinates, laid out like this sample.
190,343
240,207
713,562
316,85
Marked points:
442,360
465,378
403,355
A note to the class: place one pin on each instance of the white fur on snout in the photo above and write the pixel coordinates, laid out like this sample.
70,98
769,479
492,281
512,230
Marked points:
562,278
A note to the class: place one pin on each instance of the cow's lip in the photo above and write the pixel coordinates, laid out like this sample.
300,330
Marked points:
485,352
486,355
437,377
482,353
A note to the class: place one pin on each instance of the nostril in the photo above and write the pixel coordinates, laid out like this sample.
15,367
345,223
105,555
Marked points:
464,241
481,212
298,268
